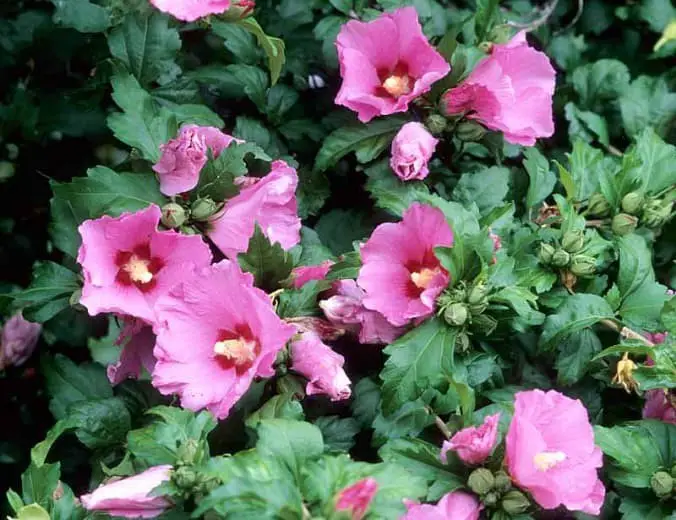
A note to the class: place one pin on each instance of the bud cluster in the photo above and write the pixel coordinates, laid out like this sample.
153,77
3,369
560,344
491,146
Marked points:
635,209
568,256
186,476
495,491
663,483
177,216
463,306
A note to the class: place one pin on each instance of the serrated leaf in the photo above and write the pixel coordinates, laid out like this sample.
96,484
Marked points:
542,180
339,228
81,15
575,353
647,102
486,188
284,406
657,160
290,442
294,303
268,262
338,433
49,293
600,81
391,193
273,47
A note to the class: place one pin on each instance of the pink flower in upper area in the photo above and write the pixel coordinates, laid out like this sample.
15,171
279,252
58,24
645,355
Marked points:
457,505
184,157
137,340
357,498
510,91
400,274
307,273
270,202
215,333
660,404
18,340
191,10
128,264
551,452
385,64
346,308
412,149
474,444
321,366
131,497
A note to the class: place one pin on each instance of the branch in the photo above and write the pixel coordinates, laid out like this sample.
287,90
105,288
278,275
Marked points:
576,18
627,333
547,11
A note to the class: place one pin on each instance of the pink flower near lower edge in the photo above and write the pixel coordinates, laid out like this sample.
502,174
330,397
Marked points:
128,264
321,366
184,157
137,340
356,499
216,332
510,91
386,63
131,497
191,10
270,202
550,452
18,340
660,404
308,273
412,150
457,505
474,444
401,275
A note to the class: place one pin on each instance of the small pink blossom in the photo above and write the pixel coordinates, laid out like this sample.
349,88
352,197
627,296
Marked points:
474,444
660,404
131,497
18,340
216,332
357,498
551,452
321,366
657,337
137,340
457,505
412,150
510,91
128,264
191,10
270,202
386,63
308,273
401,275
184,157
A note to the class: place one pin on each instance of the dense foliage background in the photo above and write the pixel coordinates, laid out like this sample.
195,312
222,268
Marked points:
106,82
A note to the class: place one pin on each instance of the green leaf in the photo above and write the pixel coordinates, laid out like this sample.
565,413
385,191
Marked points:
576,313
668,316
32,512
313,251
636,509
268,262
38,484
347,267
575,353
273,47
365,403
657,158
291,442
238,40
585,166
81,15
408,421
542,180
657,13
586,125
338,433
313,191
294,303
389,192
339,228
284,406
487,188
600,81
648,102
487,15
147,46
280,99
49,293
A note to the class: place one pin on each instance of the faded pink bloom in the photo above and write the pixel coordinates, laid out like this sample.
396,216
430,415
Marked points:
137,340
457,505
474,444
232,332
345,308
270,203
308,273
357,498
657,337
184,157
18,340
660,404
551,452
321,366
510,91
385,64
191,10
401,275
128,264
131,497
412,149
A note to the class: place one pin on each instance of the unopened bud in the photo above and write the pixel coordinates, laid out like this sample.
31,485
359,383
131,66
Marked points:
456,314
632,202
484,324
173,215
478,308
477,294
490,499
436,124
202,209
573,241
469,131
583,265
515,502
624,224
546,253
662,483
185,477
481,481
6,170
503,482
462,343
656,213
561,258
598,206
187,452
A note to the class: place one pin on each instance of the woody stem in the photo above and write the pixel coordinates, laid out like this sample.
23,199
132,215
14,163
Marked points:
626,332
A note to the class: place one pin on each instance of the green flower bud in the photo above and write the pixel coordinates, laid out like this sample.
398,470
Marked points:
477,294
662,483
456,314
484,323
490,499
546,253
481,481
202,209
598,206
436,124
656,213
6,170
632,202
583,265
560,258
173,215
573,241
503,482
185,477
462,343
469,131
515,502
624,224
478,308
187,452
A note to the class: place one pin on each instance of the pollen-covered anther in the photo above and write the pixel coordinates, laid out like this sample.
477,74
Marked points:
239,351
546,460
421,279
397,86
138,270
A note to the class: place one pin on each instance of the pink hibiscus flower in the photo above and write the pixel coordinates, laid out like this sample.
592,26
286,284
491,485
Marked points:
457,505
137,340
128,264
269,202
474,444
551,452
660,404
400,274
385,64
412,150
510,91
191,10
233,333
356,499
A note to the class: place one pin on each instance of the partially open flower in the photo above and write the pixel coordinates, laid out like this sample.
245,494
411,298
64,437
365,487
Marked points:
191,10
357,498
18,340
412,150
457,505
474,444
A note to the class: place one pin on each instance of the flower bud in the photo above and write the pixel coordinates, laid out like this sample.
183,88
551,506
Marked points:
573,241
173,215
632,202
456,314
546,253
583,265
484,324
436,124
6,170
202,209
469,131
481,481
656,213
185,477
478,308
598,206
662,483
187,452
515,502
624,224
490,499
477,294
17,341
503,482
462,343
560,258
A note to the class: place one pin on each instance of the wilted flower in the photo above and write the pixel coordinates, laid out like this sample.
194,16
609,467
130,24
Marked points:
191,10
18,340
474,444
357,498
457,505
412,149
660,404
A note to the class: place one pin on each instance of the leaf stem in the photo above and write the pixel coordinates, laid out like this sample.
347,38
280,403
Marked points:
626,332
441,425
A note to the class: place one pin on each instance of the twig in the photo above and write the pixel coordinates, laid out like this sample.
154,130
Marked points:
441,425
595,223
547,11
626,332
576,18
